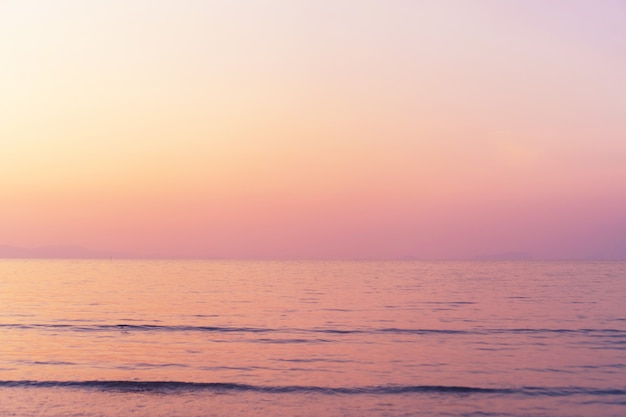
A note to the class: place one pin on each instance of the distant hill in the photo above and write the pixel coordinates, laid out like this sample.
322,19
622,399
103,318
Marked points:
504,256
57,252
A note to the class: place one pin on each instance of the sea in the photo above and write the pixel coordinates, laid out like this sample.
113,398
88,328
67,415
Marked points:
157,338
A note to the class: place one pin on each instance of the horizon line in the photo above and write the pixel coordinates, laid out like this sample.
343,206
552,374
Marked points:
278,259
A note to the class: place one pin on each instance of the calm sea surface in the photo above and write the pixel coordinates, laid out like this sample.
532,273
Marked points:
208,338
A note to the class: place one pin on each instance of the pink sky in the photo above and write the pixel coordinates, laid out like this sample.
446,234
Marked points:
315,129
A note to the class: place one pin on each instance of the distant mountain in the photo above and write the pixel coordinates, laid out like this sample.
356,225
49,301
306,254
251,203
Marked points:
504,256
57,252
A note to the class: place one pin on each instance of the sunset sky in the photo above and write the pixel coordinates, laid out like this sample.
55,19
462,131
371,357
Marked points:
315,128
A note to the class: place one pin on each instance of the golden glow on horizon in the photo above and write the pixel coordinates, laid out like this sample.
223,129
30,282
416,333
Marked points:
146,124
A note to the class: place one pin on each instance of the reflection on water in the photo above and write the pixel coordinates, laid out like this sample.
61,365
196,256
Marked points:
312,338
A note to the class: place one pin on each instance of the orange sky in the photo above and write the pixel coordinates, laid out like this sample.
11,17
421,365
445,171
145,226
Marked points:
314,129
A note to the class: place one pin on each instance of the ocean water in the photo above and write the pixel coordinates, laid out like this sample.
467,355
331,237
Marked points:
240,338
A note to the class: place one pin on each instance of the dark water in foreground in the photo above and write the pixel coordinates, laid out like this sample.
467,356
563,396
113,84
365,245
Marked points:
206,338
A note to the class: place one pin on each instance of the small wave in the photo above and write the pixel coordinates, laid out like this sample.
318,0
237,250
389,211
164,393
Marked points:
313,360
178,386
425,331
220,329
290,341
135,328
446,302
175,386
615,334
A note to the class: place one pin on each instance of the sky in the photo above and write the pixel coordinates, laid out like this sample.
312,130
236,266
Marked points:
315,129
